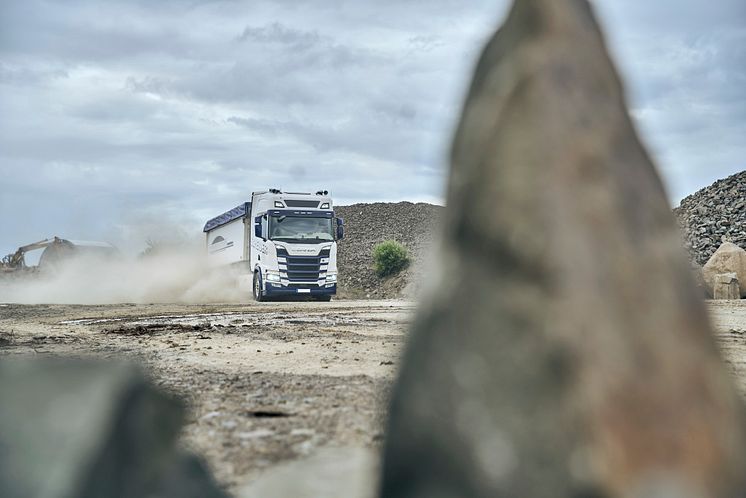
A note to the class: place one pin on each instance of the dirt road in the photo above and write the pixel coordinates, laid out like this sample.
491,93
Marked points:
729,320
266,383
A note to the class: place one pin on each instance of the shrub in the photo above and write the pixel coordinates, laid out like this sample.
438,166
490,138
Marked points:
390,257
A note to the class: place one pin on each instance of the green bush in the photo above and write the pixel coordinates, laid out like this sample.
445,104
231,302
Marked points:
390,257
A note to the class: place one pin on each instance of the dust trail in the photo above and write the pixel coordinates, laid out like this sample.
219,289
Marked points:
169,274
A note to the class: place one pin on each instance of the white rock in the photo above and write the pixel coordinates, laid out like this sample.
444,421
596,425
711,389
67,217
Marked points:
729,258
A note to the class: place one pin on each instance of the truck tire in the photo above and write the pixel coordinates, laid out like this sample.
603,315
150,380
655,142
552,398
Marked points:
257,288
322,298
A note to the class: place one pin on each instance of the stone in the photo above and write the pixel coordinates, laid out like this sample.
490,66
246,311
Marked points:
87,430
726,286
332,472
563,349
729,258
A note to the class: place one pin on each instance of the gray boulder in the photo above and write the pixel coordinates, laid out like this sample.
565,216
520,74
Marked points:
332,472
564,351
90,430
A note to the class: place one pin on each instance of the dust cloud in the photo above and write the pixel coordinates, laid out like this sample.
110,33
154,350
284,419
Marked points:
163,275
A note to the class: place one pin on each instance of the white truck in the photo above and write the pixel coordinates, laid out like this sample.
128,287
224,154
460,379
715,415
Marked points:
285,244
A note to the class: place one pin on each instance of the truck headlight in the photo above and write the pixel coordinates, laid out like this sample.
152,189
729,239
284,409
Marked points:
273,277
331,277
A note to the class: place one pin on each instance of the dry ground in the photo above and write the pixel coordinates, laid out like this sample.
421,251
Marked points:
729,320
266,383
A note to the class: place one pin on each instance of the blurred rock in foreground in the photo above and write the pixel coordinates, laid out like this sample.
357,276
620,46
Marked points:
346,472
91,430
565,351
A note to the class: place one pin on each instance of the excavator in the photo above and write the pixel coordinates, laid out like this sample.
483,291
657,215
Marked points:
56,250
17,260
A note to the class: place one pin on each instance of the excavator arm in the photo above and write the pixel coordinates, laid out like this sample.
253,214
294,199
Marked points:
17,260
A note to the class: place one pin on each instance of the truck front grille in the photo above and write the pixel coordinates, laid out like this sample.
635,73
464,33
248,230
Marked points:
302,269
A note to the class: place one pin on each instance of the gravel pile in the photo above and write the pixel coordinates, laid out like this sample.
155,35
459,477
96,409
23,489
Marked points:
707,218
412,225
714,215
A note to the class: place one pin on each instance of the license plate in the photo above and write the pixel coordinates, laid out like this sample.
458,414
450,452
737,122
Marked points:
304,291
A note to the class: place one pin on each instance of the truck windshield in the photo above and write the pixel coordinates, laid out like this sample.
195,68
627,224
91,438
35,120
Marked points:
300,229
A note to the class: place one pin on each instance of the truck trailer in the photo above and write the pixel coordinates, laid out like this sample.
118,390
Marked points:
283,243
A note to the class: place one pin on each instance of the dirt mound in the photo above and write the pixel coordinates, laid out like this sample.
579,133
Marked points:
714,215
412,225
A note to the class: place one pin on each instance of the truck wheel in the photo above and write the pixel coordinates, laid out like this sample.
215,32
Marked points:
258,292
322,298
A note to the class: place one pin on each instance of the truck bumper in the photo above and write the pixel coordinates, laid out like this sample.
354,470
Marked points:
280,290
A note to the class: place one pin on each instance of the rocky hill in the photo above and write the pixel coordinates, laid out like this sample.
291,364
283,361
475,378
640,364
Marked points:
714,215
707,218
412,225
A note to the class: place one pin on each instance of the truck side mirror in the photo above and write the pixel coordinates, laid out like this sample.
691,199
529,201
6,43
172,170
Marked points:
258,226
340,228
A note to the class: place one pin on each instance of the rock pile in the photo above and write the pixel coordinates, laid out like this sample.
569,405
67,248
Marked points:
714,215
412,225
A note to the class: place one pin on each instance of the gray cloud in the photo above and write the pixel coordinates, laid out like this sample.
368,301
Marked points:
685,64
279,34
115,112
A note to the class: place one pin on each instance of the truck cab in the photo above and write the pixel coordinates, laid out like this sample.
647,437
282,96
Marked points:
285,242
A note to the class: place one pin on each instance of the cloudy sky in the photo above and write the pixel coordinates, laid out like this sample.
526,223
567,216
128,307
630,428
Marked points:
120,120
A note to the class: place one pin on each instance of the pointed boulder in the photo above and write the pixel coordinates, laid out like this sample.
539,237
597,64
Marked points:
565,350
